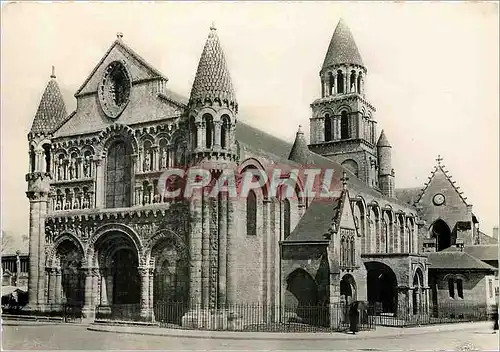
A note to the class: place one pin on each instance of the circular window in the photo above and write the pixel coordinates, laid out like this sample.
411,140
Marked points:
114,89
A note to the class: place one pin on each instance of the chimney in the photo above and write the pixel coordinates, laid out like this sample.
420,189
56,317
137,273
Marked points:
495,233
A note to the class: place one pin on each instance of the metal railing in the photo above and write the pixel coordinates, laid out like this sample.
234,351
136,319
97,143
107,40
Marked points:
69,313
240,317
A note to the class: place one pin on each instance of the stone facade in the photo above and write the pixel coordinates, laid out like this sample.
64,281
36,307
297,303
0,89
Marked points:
102,233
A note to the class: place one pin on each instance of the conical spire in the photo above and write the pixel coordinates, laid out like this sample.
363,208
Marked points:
52,110
300,151
383,141
212,79
342,49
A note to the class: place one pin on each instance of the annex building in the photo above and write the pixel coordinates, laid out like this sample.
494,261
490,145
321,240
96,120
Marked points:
102,235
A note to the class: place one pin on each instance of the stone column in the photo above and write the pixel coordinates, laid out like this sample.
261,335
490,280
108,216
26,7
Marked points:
104,290
268,267
144,273
402,308
87,308
52,286
217,128
34,238
222,248
336,314
195,246
231,274
109,287
199,135
99,183
205,252
202,142
58,286
151,294
96,278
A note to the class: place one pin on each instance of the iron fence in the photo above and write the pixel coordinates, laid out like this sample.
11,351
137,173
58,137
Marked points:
442,313
240,317
69,313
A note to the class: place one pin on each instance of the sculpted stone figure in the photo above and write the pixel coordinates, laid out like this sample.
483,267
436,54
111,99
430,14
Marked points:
147,163
86,167
163,159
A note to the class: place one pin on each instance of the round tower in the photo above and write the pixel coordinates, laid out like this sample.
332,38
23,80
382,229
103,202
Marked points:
49,116
212,107
385,170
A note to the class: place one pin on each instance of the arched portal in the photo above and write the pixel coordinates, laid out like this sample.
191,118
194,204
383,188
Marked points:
117,257
171,280
442,233
303,288
382,286
348,289
72,279
418,282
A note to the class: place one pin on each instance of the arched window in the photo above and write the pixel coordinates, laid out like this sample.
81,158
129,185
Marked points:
328,128
352,85
224,132
352,166
32,159
451,288
48,160
360,77
251,214
286,218
209,130
194,134
460,288
118,176
340,82
331,82
344,125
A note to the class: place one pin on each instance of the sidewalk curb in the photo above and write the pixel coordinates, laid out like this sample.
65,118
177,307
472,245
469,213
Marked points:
198,334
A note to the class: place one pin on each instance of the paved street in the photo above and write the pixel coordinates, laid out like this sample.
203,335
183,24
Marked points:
44,336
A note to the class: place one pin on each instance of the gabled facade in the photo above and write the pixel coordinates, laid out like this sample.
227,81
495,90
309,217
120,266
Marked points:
99,220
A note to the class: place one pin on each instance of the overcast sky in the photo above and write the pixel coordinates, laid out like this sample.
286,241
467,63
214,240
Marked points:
432,75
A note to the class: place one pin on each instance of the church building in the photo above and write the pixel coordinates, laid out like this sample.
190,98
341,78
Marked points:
102,234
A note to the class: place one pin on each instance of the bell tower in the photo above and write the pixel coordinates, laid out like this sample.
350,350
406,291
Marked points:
342,126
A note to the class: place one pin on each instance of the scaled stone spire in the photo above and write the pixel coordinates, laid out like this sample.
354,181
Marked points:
212,80
300,151
383,141
342,48
52,110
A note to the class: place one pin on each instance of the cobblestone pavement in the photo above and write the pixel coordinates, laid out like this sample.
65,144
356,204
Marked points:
44,336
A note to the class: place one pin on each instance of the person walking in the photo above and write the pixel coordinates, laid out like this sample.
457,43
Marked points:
353,318
495,319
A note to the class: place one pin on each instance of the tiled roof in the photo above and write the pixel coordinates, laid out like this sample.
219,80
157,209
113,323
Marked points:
383,141
51,111
454,259
483,252
408,195
485,239
316,222
342,48
212,78
300,151
278,150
